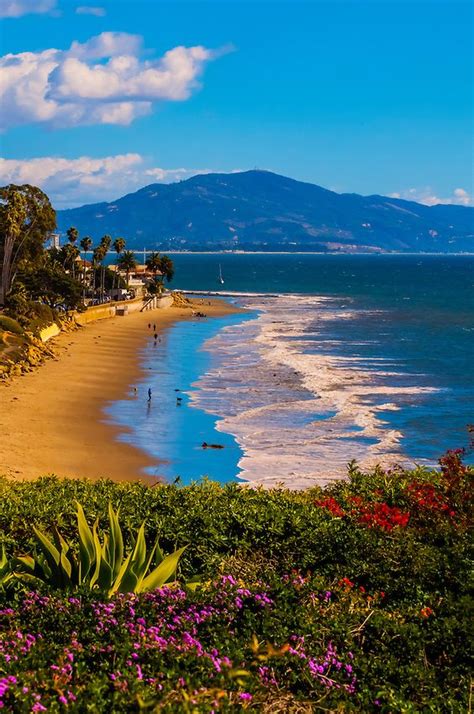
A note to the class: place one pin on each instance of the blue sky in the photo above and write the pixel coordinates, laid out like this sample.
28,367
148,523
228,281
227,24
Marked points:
371,97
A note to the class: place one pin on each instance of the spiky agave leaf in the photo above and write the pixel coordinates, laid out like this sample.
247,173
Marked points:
86,544
163,573
135,568
97,555
5,567
56,560
116,542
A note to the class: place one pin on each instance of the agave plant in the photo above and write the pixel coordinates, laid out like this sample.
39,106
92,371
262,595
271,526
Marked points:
100,566
5,573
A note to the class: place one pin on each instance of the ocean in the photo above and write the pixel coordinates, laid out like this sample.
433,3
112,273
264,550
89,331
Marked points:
336,358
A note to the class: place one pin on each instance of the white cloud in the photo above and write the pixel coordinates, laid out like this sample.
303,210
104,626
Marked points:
459,197
17,8
101,81
87,10
73,182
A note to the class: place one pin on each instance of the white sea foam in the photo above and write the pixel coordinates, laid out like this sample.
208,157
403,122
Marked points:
299,412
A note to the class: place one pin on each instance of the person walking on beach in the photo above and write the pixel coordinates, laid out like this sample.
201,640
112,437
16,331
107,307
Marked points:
149,394
154,328
149,325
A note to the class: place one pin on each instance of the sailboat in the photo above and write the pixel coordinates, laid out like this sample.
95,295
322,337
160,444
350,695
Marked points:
221,279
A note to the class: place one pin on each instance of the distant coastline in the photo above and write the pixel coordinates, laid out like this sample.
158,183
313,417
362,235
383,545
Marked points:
308,252
139,252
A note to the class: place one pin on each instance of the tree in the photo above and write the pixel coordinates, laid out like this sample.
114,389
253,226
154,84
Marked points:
68,255
72,235
127,262
98,255
86,245
50,284
119,246
153,263
160,264
167,268
105,243
26,221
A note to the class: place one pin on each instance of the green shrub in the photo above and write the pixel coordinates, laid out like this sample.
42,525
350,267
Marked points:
355,598
39,316
10,325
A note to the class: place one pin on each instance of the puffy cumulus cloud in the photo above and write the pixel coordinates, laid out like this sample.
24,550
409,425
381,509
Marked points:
459,197
101,81
73,182
17,8
107,44
87,10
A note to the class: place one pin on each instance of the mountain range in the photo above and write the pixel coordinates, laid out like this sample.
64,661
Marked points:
260,210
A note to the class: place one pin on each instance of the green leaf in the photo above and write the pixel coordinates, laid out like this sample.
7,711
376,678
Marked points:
116,542
148,563
118,580
86,544
97,555
105,579
66,567
52,557
139,554
127,580
160,575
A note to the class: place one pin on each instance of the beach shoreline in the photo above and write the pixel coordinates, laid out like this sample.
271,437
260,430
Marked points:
53,420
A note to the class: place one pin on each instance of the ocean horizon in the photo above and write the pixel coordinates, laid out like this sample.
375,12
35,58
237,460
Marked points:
335,358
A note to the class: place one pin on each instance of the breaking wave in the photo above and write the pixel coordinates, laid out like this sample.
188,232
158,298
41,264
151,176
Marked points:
299,396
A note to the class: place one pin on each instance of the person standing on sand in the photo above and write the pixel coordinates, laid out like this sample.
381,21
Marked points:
154,328
149,394
149,325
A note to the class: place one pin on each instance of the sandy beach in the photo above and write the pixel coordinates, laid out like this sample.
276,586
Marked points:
52,420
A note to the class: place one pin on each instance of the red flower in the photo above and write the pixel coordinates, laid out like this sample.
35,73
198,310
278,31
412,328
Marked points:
331,505
348,583
381,515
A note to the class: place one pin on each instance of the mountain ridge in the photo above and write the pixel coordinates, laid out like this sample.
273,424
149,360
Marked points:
265,211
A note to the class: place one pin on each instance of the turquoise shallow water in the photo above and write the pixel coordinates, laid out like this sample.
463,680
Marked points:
368,355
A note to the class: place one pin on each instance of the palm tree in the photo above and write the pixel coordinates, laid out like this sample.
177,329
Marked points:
153,263
86,245
119,245
72,236
105,243
69,254
160,264
98,255
167,268
127,262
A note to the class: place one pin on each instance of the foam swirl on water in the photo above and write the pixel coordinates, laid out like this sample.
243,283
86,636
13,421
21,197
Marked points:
299,410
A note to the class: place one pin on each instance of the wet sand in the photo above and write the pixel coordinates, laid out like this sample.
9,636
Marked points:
52,420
